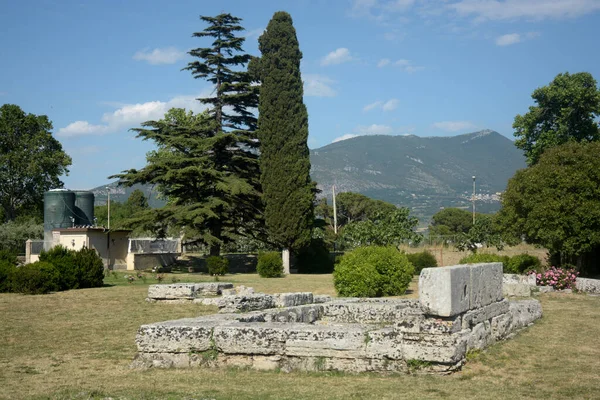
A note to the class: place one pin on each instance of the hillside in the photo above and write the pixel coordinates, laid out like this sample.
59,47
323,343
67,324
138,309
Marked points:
422,173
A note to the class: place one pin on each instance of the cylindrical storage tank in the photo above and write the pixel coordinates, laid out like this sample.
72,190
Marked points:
84,207
59,206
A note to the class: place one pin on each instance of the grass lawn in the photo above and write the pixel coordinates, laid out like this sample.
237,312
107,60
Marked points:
79,344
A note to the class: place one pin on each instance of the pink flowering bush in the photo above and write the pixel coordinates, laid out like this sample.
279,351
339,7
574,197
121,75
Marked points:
557,277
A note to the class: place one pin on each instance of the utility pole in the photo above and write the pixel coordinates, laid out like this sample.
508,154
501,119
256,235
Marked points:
473,199
108,203
334,211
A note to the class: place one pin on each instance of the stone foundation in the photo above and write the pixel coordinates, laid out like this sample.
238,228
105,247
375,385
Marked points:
460,308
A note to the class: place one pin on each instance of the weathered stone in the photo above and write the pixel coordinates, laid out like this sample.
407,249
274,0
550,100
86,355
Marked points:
305,314
501,326
524,312
516,290
238,290
480,336
369,312
485,284
545,289
588,285
250,338
383,343
445,291
335,340
474,317
446,349
245,303
213,288
186,290
321,298
428,324
528,280
292,299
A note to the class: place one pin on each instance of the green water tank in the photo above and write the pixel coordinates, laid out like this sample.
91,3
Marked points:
59,206
84,207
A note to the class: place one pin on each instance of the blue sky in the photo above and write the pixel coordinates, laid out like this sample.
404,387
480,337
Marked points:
423,67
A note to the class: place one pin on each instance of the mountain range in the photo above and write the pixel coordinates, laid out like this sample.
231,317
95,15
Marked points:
422,173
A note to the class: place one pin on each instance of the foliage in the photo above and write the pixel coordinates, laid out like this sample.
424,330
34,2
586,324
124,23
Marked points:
36,278
451,221
558,278
121,214
64,261
8,265
314,259
31,161
522,263
477,258
423,259
217,265
565,111
484,232
207,164
270,265
90,269
288,192
373,272
556,204
384,229
14,234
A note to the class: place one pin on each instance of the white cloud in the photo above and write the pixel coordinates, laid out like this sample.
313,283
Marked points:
374,129
344,137
383,62
454,126
372,106
132,115
380,10
390,105
167,55
318,85
338,56
529,9
508,39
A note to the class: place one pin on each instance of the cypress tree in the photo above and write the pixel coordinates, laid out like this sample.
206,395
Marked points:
288,193
207,164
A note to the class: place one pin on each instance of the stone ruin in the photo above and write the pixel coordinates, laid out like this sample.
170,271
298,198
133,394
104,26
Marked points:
459,309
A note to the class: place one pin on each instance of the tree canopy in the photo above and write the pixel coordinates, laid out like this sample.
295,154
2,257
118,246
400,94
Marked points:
556,203
206,164
451,221
31,161
566,110
288,192
385,228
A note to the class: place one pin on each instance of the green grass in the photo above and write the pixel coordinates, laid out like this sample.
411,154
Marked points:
79,345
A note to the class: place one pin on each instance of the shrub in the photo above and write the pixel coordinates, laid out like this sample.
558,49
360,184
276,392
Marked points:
64,260
89,268
8,265
314,259
476,258
559,278
217,265
36,278
270,265
373,271
522,263
422,260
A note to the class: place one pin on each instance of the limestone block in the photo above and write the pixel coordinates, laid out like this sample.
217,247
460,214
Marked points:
161,360
447,349
522,279
250,338
335,340
545,289
292,299
445,291
238,290
245,303
321,298
305,314
480,336
179,336
516,290
208,301
524,312
428,325
474,317
213,288
588,285
369,312
485,285
501,326
383,344
173,291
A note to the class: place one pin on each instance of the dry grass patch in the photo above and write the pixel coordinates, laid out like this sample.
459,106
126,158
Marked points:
79,344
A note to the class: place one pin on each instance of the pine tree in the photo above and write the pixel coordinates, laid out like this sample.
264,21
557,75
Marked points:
207,164
288,193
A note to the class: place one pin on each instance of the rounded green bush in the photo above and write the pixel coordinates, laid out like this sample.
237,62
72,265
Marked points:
477,258
373,271
422,260
522,263
314,259
64,260
217,265
89,268
270,265
8,265
36,278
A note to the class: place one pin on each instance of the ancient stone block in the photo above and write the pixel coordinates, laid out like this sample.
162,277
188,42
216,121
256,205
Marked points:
480,336
321,298
485,284
524,312
292,299
522,279
588,285
383,344
474,317
501,326
306,314
445,291
245,303
335,340
428,324
250,338
446,349
173,291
